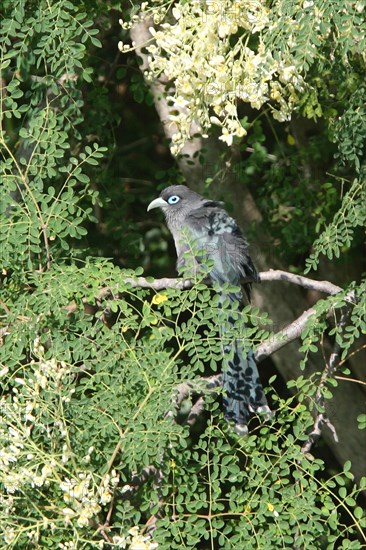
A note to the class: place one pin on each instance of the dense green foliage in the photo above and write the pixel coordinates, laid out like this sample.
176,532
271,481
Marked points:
87,400
84,409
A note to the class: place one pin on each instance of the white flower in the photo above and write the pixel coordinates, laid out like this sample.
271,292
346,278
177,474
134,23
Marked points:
230,108
240,131
65,453
226,137
37,481
83,519
114,478
121,542
68,514
217,60
287,73
47,470
226,28
142,543
105,497
6,458
134,531
126,488
69,545
33,537
138,544
215,120
177,14
9,535
90,509
180,102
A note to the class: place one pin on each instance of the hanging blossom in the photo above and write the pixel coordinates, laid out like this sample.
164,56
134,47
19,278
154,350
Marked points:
211,71
83,499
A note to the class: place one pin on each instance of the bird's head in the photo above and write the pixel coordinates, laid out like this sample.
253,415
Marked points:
176,202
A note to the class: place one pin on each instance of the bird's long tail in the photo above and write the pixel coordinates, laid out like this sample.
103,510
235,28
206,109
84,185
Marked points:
243,391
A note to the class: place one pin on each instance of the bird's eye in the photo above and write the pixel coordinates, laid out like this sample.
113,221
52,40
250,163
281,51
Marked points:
173,199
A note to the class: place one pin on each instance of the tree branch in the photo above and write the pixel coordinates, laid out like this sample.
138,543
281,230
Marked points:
267,348
321,418
300,280
140,36
200,386
270,275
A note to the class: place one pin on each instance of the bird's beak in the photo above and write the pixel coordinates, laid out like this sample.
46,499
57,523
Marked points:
157,203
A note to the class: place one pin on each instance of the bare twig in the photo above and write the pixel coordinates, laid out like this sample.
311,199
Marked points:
305,282
5,307
347,379
321,418
197,387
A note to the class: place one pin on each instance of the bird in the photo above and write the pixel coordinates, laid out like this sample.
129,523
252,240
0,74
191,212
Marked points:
218,243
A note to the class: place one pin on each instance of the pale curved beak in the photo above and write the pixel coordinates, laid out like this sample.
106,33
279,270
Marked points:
157,203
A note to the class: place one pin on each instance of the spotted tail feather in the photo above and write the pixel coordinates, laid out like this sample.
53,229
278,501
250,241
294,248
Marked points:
243,391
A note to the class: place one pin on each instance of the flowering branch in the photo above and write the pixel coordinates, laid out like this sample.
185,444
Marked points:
159,84
217,69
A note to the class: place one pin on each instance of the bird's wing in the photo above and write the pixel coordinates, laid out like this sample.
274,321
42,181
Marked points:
221,240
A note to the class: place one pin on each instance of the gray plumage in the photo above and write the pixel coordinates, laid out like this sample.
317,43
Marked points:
217,237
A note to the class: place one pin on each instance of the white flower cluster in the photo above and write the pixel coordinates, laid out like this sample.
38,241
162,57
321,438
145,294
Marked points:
48,373
11,442
25,466
18,465
84,498
214,53
136,541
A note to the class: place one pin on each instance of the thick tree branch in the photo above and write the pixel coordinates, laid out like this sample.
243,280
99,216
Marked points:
140,36
267,348
293,330
194,387
270,275
300,280
284,336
